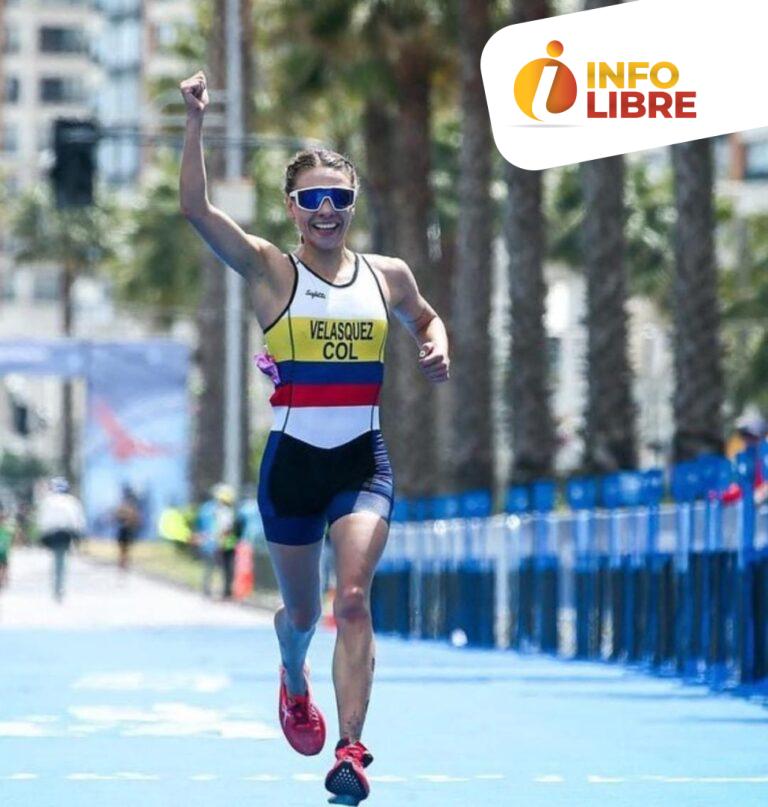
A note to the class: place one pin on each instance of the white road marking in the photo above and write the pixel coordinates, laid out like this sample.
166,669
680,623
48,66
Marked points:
112,714
91,777
747,780
709,780
437,778
137,681
132,776
262,777
159,720
24,728
388,777
670,779
247,730
442,778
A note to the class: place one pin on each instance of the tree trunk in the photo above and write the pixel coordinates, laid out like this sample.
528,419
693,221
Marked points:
533,432
407,408
472,454
533,435
378,182
610,413
698,397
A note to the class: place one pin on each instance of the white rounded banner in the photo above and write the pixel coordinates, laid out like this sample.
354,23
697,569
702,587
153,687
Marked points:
625,78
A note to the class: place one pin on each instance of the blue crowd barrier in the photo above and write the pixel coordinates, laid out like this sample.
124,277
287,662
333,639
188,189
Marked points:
678,588
517,499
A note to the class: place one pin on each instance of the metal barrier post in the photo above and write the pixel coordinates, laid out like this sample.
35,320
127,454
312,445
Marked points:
545,571
582,497
653,490
517,504
745,468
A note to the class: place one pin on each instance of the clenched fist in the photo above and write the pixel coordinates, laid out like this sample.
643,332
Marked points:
433,363
195,92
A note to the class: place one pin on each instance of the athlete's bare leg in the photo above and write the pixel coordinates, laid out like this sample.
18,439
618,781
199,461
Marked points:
297,569
358,540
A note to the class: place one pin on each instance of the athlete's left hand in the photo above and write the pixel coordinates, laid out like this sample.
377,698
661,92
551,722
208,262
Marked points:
433,363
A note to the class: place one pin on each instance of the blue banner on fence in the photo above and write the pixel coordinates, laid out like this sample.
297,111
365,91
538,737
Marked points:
63,358
137,420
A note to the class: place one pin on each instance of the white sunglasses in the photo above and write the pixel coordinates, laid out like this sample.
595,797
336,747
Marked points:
341,198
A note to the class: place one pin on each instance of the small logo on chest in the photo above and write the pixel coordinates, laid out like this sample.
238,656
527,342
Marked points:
314,293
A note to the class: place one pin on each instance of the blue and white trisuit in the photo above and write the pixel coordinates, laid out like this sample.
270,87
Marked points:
325,456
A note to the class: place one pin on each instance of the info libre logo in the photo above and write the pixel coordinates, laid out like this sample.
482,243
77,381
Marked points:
547,87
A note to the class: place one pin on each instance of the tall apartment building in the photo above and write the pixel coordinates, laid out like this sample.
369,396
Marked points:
121,97
136,52
81,58
68,58
49,71
163,19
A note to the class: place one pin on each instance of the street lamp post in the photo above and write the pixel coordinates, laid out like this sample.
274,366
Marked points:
234,290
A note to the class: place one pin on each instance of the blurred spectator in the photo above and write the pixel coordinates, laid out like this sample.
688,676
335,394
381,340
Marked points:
60,521
749,435
173,526
216,537
6,538
128,519
252,527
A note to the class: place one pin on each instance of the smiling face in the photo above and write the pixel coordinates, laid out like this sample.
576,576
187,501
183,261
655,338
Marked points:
326,228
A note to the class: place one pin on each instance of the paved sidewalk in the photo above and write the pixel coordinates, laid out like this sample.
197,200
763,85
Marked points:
101,596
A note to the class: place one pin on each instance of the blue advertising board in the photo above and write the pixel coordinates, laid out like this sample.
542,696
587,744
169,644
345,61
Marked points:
137,430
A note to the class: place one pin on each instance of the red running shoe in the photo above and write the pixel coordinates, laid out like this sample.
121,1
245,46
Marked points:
300,719
346,778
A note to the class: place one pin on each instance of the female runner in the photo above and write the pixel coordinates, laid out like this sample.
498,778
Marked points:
324,311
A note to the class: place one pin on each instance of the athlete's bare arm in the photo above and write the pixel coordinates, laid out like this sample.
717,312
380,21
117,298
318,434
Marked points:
418,316
260,262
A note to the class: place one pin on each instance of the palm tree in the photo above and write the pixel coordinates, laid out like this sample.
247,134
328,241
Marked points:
610,411
158,265
414,449
78,240
379,137
699,386
472,454
533,433
745,301
648,234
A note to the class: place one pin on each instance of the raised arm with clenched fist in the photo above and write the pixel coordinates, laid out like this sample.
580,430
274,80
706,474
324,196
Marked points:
195,92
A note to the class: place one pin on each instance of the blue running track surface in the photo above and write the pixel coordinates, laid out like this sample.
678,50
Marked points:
187,715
